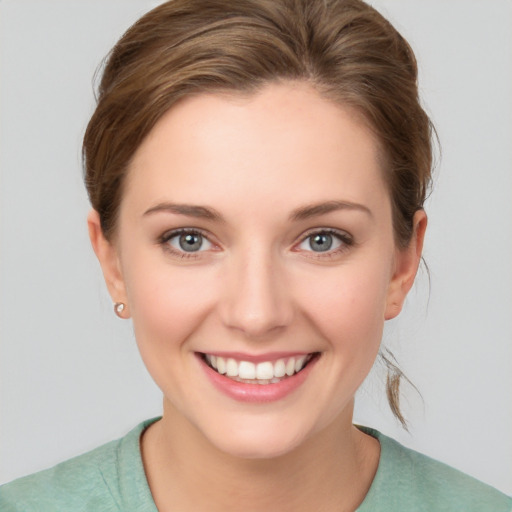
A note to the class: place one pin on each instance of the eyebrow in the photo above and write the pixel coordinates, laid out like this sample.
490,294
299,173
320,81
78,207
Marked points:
303,213
200,212
317,209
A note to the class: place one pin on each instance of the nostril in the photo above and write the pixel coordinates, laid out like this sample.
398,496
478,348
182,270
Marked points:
256,299
258,319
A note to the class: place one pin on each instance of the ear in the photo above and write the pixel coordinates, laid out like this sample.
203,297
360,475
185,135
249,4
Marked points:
107,255
407,261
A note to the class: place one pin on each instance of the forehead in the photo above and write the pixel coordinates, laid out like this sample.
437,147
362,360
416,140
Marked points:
285,141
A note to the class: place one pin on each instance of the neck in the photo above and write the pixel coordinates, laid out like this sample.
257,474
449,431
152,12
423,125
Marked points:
332,470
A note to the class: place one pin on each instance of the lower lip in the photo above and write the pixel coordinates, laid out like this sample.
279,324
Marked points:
257,392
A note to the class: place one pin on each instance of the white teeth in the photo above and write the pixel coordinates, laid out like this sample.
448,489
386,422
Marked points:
231,368
290,366
264,370
247,370
279,368
221,365
267,372
299,363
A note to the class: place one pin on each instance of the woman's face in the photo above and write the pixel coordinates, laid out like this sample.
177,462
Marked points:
255,237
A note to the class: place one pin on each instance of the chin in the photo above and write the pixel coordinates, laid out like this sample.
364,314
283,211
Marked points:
265,447
258,438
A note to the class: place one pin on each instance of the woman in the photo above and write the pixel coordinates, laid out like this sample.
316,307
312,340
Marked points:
257,172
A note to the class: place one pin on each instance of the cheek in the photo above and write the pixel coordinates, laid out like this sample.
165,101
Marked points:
167,305
347,304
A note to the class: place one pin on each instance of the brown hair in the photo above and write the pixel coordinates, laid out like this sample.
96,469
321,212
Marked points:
343,48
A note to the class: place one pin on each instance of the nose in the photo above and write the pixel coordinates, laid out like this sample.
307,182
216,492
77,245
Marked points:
256,300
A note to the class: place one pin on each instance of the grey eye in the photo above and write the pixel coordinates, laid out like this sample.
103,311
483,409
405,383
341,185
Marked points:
189,242
321,241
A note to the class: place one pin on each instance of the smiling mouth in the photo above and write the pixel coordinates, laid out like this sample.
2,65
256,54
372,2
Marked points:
265,372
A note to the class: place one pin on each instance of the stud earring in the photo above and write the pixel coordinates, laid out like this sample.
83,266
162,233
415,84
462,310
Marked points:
119,307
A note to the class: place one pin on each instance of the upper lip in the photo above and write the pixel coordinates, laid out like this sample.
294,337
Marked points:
258,358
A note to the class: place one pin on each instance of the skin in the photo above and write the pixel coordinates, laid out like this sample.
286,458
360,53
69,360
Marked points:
257,287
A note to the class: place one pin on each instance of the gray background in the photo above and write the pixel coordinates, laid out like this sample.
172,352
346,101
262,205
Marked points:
70,375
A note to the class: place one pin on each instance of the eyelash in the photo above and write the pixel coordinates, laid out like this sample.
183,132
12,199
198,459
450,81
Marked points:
344,238
169,235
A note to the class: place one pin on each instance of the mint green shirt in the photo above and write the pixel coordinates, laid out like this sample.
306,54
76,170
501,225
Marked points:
111,478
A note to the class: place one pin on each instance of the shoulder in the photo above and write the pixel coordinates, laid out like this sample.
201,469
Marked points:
408,480
89,482
75,484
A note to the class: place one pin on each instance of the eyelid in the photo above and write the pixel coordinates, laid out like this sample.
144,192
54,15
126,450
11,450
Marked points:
164,239
171,233
346,239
